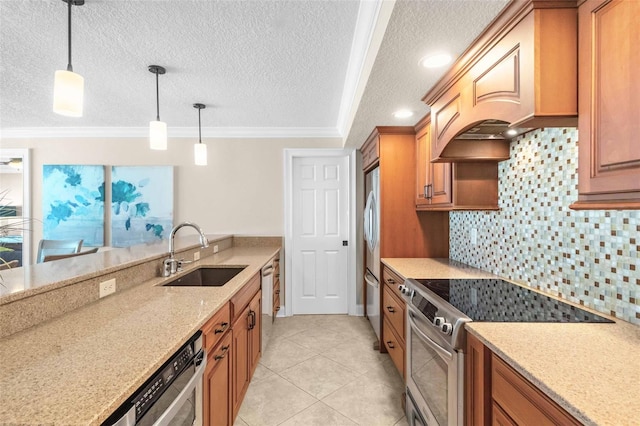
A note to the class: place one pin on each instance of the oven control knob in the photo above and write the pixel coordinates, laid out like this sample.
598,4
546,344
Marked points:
402,288
438,321
446,328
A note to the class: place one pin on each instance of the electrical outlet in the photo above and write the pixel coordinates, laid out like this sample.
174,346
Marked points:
196,256
474,236
215,248
107,287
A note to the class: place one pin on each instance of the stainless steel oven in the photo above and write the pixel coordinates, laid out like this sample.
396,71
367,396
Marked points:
172,396
434,377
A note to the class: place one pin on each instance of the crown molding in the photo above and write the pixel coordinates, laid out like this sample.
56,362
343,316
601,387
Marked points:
174,132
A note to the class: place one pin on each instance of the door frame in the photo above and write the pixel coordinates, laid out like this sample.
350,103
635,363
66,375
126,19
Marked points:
289,155
26,198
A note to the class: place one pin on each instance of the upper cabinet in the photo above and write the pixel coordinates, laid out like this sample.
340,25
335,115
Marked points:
609,124
452,186
521,73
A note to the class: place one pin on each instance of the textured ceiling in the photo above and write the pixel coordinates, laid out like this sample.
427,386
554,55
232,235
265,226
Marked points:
255,64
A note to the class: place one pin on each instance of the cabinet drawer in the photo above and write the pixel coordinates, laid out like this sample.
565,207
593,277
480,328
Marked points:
244,296
215,328
394,346
522,401
393,310
392,281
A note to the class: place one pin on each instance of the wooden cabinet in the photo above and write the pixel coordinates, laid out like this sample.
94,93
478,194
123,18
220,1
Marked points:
452,186
403,231
522,70
246,335
521,401
477,383
217,384
392,309
497,394
609,105
276,286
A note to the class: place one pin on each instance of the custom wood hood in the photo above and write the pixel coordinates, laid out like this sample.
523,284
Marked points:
521,73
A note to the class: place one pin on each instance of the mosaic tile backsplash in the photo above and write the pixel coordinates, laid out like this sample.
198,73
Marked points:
590,257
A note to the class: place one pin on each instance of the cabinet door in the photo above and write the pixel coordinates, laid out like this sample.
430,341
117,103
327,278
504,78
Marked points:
255,334
609,104
240,356
217,395
433,187
477,383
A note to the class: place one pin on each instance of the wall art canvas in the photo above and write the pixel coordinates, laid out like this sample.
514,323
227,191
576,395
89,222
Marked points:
73,203
141,204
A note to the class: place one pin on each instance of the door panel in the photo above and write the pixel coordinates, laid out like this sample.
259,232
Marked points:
320,212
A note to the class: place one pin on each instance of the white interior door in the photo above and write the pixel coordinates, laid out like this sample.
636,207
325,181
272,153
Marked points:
320,224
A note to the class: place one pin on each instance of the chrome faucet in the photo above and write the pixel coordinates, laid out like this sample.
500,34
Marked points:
173,265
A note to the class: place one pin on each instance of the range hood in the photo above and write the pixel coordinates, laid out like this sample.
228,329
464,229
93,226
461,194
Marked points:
520,74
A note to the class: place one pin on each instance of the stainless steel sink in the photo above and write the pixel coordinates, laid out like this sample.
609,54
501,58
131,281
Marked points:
207,276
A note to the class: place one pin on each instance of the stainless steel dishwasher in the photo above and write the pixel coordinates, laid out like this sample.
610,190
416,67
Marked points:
172,395
267,303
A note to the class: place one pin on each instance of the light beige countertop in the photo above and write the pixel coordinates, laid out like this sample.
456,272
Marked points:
591,370
433,268
78,368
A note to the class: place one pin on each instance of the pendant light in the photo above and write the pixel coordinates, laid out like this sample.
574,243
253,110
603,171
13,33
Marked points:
157,129
68,87
200,149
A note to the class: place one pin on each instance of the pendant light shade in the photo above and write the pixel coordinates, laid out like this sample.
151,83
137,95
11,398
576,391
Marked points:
200,149
68,93
157,128
68,87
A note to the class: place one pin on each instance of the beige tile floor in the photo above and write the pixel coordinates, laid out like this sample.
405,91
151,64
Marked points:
322,370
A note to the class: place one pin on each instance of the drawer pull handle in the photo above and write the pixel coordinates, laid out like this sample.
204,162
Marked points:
277,291
390,309
224,325
277,308
391,281
391,345
225,349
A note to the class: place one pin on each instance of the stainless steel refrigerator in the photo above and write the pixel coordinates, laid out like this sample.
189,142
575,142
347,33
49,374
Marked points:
372,240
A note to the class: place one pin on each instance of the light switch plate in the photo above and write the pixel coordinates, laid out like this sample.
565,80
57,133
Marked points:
196,256
215,248
474,236
107,287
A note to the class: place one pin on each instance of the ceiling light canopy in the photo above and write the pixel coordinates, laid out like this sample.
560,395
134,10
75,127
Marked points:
436,60
157,129
68,87
200,149
403,113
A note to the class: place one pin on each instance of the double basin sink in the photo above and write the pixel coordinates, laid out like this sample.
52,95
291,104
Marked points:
206,276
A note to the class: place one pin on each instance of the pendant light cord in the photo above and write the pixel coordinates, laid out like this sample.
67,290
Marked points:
199,127
69,67
157,98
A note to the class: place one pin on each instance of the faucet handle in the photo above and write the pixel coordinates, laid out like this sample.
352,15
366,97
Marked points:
168,267
182,262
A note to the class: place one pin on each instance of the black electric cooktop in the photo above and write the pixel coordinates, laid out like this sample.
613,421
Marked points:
496,300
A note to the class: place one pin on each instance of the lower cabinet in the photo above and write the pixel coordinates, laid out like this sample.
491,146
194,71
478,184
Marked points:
392,310
232,354
491,385
217,386
247,340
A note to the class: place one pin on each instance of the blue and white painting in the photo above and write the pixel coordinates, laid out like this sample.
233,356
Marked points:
141,204
73,203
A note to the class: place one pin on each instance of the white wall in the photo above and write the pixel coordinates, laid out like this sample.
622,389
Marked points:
239,192
12,183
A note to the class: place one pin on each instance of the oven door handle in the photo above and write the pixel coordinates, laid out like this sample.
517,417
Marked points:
166,418
446,355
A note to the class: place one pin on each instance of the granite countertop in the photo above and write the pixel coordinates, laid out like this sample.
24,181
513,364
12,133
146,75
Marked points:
78,368
591,370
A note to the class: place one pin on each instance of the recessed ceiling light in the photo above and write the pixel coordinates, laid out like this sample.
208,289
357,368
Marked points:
403,113
511,132
436,60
